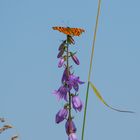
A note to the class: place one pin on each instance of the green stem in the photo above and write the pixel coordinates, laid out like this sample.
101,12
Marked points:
90,68
67,51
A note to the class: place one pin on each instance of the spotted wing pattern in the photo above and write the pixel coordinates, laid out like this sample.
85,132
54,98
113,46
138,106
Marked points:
69,31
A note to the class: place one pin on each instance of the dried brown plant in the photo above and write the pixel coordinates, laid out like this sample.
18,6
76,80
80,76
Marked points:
14,137
7,126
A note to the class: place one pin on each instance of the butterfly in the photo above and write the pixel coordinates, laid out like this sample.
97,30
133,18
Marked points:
69,31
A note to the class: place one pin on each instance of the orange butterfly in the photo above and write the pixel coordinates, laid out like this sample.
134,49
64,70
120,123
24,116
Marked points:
69,31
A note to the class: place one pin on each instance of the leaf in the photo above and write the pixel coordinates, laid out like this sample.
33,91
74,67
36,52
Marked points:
103,101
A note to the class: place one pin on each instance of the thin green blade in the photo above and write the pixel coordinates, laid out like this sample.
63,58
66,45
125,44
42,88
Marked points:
103,101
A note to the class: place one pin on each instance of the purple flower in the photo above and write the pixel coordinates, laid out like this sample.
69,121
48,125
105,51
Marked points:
72,136
65,77
61,62
75,59
73,81
61,93
62,45
77,103
60,53
70,127
61,115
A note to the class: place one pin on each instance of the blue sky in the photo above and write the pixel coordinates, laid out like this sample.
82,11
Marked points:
29,73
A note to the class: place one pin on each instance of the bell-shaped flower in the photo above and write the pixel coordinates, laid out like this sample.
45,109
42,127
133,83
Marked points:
73,81
70,40
61,62
61,92
72,136
65,75
70,127
77,103
61,115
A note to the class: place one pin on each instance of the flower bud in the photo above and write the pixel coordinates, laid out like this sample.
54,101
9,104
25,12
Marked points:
61,52
70,127
65,75
61,115
75,59
77,103
61,62
62,46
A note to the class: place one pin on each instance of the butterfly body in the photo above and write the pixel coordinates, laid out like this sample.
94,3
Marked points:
69,31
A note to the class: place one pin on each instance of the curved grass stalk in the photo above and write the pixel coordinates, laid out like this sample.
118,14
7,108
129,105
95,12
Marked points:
90,68
97,93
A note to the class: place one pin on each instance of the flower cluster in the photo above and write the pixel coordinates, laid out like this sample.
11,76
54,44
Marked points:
68,91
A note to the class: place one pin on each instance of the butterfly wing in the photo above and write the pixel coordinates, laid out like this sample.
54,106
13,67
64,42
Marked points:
69,31
77,31
62,29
